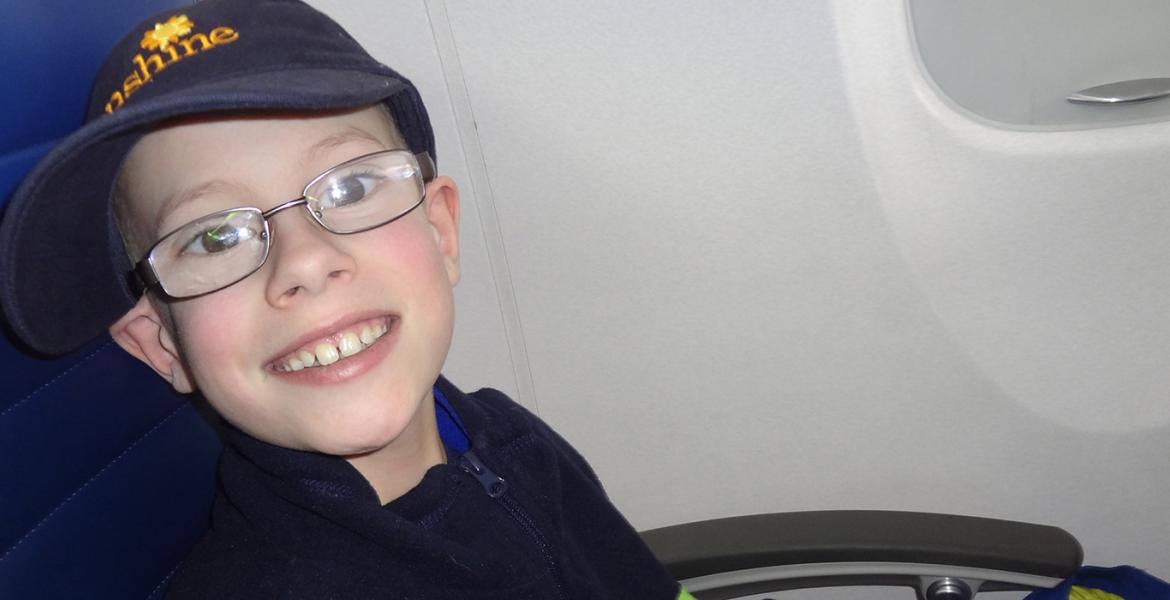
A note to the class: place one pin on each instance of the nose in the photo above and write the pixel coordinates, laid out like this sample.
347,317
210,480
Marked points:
304,258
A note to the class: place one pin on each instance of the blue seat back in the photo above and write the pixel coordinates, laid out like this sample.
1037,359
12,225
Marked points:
108,475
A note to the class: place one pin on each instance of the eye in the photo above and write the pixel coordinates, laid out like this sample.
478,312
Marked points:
220,238
349,188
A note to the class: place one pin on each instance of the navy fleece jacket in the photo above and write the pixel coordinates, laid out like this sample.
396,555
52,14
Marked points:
518,515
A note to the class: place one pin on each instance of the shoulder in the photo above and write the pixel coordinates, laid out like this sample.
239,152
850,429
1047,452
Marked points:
497,420
491,417
485,404
230,564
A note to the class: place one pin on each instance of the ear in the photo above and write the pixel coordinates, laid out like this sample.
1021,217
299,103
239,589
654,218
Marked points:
442,207
140,333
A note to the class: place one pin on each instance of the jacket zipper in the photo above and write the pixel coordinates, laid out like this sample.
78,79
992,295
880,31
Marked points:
496,487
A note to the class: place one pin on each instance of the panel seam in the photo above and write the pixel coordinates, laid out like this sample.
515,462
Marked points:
59,376
95,476
489,222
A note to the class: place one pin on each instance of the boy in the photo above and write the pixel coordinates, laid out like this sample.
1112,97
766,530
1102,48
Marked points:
273,187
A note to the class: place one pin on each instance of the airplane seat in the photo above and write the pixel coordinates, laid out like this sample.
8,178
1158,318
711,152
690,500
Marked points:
938,556
108,474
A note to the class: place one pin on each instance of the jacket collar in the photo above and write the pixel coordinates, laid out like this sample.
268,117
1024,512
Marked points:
465,421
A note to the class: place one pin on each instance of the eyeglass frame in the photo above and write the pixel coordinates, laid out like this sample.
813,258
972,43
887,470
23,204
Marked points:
145,275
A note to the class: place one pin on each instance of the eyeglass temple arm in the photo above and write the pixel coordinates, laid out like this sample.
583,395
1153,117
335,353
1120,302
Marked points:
144,272
142,278
427,165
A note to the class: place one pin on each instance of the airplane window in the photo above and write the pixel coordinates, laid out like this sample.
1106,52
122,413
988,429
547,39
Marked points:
1017,62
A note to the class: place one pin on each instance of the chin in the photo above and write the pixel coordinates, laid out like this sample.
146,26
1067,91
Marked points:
365,433
349,445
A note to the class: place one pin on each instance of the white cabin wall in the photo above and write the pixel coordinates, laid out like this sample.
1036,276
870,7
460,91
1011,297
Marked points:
746,259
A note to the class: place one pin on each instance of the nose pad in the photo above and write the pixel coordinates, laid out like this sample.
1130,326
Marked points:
304,258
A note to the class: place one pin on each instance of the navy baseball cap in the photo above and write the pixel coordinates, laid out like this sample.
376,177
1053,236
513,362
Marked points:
63,270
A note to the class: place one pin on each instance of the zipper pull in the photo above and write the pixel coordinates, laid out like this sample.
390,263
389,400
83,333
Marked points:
493,484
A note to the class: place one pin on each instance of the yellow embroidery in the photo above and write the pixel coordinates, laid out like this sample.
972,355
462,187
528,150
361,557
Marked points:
165,34
1080,593
167,44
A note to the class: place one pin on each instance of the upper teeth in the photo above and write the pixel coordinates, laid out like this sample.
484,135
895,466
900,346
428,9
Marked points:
326,353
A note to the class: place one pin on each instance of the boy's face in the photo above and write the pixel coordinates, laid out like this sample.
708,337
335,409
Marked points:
235,344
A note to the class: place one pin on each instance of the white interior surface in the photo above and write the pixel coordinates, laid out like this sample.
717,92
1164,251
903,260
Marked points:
747,259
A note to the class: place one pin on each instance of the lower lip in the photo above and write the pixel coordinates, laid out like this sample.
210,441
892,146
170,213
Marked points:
347,368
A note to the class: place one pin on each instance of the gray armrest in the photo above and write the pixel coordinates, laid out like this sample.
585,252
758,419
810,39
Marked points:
868,548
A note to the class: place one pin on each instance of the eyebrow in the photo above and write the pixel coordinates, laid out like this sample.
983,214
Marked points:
183,197
314,152
345,136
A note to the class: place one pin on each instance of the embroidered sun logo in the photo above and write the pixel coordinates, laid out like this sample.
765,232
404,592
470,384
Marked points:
165,34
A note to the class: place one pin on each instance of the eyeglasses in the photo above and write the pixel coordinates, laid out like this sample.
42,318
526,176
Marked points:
222,248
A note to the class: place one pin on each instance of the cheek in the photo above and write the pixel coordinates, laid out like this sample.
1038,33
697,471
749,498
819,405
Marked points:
212,332
208,329
411,259
410,249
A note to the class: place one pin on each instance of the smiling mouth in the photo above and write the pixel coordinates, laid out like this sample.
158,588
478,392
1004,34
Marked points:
337,347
